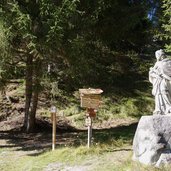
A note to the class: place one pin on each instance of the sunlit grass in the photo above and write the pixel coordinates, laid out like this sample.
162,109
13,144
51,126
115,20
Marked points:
111,149
115,155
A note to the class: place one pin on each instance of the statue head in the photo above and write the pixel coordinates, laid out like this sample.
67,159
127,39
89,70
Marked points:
160,54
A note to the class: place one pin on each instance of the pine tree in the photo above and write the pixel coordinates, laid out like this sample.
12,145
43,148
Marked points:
36,30
167,24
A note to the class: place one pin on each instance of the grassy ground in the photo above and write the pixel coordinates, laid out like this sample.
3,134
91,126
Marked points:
111,150
119,104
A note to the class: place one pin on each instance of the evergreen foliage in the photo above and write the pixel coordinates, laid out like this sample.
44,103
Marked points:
167,24
36,30
73,44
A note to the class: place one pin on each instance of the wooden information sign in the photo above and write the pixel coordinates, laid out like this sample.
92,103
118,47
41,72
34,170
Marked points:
90,98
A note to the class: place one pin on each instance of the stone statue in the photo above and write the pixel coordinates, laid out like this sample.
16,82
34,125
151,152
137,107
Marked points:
152,140
160,77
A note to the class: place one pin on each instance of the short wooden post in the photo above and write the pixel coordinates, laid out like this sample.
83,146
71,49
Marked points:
89,132
53,115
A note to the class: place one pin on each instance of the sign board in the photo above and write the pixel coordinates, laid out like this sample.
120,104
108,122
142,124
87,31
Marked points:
88,121
90,98
53,109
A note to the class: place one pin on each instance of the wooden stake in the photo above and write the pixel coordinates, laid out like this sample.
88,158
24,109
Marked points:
53,117
89,132
54,131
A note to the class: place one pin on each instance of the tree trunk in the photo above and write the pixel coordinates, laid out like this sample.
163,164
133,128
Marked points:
35,94
29,88
31,118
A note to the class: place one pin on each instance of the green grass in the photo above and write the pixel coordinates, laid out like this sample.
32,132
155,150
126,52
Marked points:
118,103
110,151
115,105
95,158
111,148
113,108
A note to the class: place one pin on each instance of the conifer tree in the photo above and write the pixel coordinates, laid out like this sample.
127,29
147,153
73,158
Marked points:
36,29
167,24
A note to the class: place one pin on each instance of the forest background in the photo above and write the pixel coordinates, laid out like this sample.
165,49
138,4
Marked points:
53,48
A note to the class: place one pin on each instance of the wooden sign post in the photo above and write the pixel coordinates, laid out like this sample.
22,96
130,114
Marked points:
89,132
53,116
91,100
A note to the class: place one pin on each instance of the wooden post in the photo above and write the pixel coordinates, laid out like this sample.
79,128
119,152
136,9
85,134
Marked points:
53,115
89,131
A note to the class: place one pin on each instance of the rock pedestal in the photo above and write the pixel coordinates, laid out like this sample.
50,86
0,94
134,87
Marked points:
152,140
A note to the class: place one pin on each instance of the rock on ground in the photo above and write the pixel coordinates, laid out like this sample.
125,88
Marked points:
152,140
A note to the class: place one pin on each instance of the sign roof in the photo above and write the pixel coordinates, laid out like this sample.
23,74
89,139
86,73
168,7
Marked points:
90,91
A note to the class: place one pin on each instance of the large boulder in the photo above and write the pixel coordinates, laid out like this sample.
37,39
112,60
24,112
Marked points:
152,140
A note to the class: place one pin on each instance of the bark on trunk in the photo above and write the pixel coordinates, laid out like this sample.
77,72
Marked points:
32,114
35,94
29,88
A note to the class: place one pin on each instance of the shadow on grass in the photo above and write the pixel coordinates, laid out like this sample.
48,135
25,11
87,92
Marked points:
120,132
37,143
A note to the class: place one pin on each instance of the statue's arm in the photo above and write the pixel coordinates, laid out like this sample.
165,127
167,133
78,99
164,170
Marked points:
154,74
151,76
166,77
